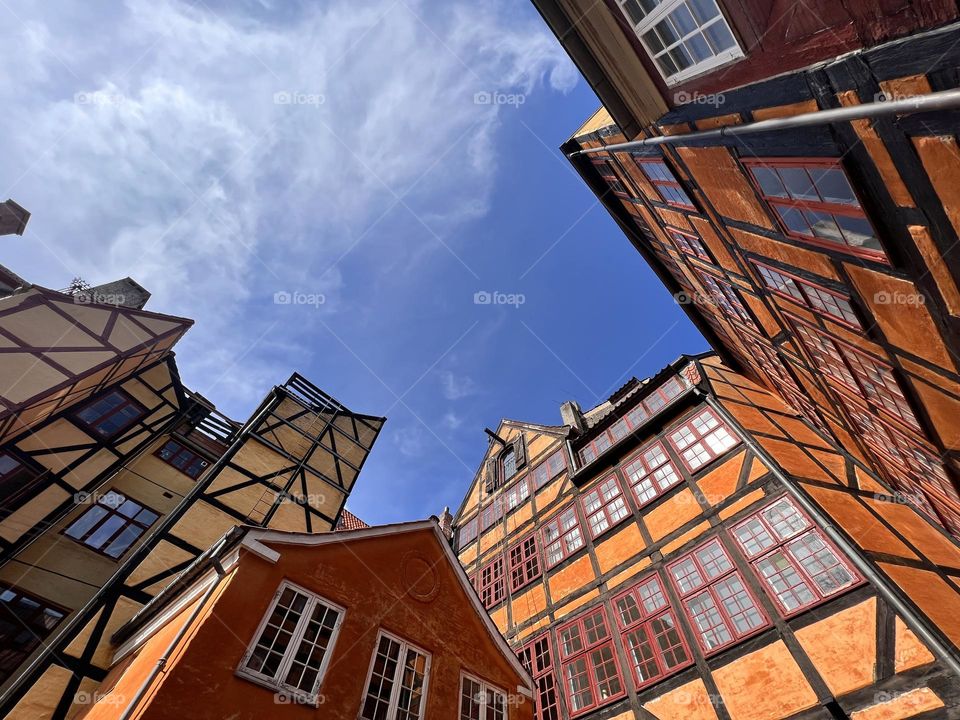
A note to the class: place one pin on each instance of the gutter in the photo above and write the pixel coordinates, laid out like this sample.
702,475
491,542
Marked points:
943,100
888,592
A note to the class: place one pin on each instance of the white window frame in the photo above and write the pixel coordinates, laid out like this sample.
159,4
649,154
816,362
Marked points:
659,13
275,683
485,687
398,679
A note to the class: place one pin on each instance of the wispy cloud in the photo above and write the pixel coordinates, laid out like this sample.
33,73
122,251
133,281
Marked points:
456,386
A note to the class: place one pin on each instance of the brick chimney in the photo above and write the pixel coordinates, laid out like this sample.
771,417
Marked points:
446,523
13,218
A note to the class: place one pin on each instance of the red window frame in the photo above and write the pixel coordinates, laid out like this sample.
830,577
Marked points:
604,506
566,534
549,473
25,623
517,489
468,532
650,631
790,556
809,294
858,372
650,470
787,204
491,583
688,242
525,563
664,181
96,422
725,297
708,571
97,529
588,639
187,461
696,431
491,514
608,172
538,659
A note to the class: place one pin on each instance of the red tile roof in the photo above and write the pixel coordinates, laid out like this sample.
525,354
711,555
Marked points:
349,521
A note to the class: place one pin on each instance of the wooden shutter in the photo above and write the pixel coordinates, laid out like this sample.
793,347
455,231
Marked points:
490,474
520,451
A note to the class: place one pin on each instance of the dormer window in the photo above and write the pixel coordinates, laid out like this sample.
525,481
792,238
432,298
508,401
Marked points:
508,464
502,466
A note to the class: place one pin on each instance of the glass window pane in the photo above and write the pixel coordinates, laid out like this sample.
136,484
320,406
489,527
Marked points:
823,225
704,10
798,183
769,182
698,47
720,36
634,11
857,232
683,21
794,220
833,186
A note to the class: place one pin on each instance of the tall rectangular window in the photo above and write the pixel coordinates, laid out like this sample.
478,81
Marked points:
664,181
17,480
110,414
491,514
514,496
684,37
537,657
701,439
25,622
814,202
715,597
397,682
726,299
651,637
650,473
112,524
792,558
467,532
609,174
604,506
549,469
524,562
829,303
182,458
492,586
588,663
688,243
480,700
562,536
293,645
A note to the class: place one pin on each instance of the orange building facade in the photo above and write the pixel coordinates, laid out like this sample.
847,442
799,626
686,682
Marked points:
691,548
377,623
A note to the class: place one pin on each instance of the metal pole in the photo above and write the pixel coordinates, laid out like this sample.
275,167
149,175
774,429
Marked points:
943,100
917,623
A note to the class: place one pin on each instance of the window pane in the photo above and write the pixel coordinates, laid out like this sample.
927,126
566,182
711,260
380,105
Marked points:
704,10
720,36
769,182
857,232
833,186
794,219
798,183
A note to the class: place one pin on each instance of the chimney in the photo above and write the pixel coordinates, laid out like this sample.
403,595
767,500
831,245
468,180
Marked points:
446,523
572,415
13,218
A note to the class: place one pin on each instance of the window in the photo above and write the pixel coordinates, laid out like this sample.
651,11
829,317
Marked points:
25,622
112,524
715,597
684,37
492,586
688,243
833,305
725,298
182,458
609,174
491,514
549,469
17,481
397,681
651,637
701,439
650,473
562,536
664,181
524,563
515,495
467,533
870,379
537,658
508,464
111,414
604,506
588,663
814,202
663,395
480,701
293,645
791,557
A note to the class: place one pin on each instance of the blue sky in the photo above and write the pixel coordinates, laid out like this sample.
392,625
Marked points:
378,163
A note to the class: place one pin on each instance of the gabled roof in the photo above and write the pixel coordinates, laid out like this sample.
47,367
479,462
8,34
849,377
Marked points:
349,521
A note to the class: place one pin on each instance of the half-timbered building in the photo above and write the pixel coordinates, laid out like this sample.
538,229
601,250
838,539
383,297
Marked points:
692,549
115,477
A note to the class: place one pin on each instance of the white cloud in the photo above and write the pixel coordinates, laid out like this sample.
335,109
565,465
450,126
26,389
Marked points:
455,386
451,420
146,141
410,441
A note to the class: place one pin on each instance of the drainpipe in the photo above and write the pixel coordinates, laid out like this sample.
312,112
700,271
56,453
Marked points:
917,623
943,100
181,633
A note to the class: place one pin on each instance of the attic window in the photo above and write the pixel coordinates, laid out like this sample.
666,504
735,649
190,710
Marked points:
508,462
